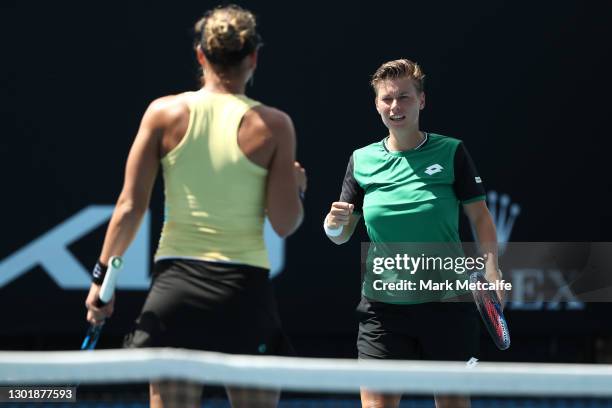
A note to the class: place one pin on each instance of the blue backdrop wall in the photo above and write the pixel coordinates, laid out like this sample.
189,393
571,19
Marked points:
525,85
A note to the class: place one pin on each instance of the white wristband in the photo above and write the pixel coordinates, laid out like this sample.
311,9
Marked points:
332,232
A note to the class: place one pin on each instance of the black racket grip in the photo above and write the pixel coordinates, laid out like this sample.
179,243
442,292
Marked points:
99,303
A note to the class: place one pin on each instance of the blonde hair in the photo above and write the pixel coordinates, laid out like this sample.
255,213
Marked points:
226,35
398,69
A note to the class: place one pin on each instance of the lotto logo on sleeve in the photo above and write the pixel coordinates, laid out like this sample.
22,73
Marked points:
477,179
433,169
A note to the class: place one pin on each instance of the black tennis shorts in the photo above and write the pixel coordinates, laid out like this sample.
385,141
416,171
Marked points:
211,306
428,331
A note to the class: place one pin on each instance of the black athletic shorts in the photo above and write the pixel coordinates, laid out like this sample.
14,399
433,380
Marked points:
427,331
211,306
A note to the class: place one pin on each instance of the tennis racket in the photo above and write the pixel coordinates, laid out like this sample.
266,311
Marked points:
107,289
491,311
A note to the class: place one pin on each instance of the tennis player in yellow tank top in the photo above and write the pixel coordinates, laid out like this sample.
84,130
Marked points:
214,192
227,161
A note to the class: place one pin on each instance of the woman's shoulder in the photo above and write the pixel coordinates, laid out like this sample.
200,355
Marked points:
271,113
269,117
168,109
171,102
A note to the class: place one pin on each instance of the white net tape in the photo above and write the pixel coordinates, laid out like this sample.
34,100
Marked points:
305,374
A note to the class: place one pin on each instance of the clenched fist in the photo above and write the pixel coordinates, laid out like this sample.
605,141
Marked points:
339,214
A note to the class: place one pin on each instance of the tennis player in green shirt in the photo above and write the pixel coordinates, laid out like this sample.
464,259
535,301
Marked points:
408,188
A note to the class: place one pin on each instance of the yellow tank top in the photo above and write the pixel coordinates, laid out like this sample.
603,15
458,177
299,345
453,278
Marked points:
214,195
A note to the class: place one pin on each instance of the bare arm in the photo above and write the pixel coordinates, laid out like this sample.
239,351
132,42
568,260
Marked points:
285,179
140,173
481,220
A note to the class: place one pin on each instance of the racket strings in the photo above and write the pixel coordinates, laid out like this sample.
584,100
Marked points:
494,318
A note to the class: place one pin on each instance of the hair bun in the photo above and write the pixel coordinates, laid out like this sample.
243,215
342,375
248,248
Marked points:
227,35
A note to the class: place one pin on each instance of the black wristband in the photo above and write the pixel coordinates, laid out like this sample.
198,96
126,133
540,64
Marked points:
98,273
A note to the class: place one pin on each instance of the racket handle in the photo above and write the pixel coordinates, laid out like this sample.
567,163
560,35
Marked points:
91,338
107,289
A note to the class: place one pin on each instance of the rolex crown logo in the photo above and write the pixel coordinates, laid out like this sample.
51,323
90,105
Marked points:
504,214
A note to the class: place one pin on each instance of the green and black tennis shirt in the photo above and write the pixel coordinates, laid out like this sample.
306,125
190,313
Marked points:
412,196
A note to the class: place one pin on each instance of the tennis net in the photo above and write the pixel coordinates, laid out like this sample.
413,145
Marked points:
116,378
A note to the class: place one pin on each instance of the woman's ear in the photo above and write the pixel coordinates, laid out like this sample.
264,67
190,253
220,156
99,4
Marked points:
201,57
253,59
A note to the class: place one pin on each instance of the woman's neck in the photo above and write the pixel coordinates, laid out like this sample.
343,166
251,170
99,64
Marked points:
400,141
217,84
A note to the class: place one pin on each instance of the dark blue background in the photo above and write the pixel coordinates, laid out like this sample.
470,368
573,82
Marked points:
524,84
